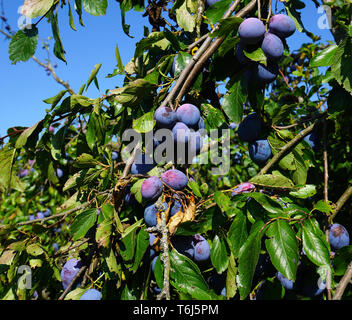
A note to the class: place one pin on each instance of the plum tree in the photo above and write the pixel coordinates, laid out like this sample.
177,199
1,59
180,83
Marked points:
175,179
188,114
272,46
338,236
251,30
165,117
282,25
250,128
259,151
151,188
91,294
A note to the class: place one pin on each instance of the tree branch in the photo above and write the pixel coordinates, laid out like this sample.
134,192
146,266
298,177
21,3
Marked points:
345,196
343,283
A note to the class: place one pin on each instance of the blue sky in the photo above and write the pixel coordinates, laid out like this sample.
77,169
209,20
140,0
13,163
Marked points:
24,86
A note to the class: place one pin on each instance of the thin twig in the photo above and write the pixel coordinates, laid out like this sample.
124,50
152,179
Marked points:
287,147
269,12
259,10
343,283
325,157
78,274
342,200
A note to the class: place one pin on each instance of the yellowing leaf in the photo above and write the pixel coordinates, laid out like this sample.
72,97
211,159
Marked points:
35,8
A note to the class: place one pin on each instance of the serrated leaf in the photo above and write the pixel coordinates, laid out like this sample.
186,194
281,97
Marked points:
34,250
215,12
83,222
304,192
35,8
314,243
187,277
282,247
325,57
23,45
247,261
237,233
271,180
95,7
218,254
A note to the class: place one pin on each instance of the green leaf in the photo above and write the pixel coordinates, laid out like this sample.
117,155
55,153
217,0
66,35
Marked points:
8,179
119,61
314,243
145,123
59,50
141,248
34,250
226,26
273,181
187,277
83,222
136,190
342,259
159,272
147,43
325,57
322,206
218,254
85,160
304,192
72,23
195,188
248,259
223,202
266,202
282,247
58,142
341,68
185,19
237,233
217,10
181,62
22,139
95,7
231,285
78,8
23,45
213,117
127,247
233,101
56,99
35,8
256,55
93,75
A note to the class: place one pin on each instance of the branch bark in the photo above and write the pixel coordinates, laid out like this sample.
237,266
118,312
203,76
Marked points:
342,200
343,283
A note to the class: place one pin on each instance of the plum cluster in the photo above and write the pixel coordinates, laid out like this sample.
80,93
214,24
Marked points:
152,188
253,35
185,126
249,131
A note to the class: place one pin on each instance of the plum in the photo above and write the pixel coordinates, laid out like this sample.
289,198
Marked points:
211,2
249,129
23,173
153,263
40,215
151,188
266,74
259,151
272,46
91,294
243,188
195,142
175,179
188,114
47,213
176,207
130,199
114,155
201,124
282,25
181,132
31,217
201,248
140,165
338,236
69,270
313,139
241,57
233,125
59,173
165,117
286,283
251,31
184,245
150,213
